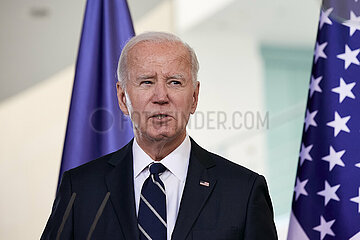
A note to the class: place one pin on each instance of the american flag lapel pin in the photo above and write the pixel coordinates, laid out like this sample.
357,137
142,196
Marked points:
204,183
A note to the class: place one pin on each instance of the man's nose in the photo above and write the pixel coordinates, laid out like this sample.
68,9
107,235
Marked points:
160,93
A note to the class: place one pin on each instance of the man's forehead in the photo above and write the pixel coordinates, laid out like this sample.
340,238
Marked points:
147,48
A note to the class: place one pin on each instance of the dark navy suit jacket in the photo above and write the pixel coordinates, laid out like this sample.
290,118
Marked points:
234,205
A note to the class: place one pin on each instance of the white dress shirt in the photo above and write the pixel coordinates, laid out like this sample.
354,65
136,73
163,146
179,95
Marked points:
174,177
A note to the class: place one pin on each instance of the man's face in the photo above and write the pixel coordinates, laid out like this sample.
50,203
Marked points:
159,95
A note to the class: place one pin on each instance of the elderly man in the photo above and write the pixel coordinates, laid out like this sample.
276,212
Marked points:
161,185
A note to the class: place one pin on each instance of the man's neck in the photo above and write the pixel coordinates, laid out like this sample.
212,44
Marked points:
157,150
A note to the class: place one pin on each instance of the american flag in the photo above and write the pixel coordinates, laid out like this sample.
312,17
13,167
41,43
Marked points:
326,201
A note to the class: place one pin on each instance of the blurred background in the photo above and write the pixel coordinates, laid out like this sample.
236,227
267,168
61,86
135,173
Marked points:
255,65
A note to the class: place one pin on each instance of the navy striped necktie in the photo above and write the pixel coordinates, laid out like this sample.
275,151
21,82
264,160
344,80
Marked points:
152,208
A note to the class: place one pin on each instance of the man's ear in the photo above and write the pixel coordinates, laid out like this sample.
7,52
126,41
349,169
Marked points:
195,97
121,98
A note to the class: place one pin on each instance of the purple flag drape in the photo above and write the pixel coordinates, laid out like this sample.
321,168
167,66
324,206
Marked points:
326,202
96,126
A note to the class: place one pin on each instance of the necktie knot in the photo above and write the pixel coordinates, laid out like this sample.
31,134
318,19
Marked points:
157,168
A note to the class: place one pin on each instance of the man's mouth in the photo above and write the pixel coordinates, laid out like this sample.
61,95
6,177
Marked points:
160,116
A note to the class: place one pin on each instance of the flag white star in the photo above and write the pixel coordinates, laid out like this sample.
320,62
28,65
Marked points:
357,235
324,17
353,23
357,200
349,56
334,158
309,119
319,51
314,85
344,90
324,228
329,193
339,124
305,153
300,188
357,165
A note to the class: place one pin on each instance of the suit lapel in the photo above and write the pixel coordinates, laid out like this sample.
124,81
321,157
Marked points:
120,183
195,194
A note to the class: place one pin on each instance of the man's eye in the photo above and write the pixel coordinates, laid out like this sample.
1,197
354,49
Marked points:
175,82
147,82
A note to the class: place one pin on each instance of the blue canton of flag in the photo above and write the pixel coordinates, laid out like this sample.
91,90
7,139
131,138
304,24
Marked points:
326,201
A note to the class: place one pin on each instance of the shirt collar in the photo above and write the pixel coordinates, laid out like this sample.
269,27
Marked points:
176,162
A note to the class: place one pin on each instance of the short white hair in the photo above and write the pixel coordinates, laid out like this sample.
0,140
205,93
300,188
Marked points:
154,37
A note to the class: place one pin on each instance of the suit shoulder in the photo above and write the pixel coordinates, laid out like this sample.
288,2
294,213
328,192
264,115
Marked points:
224,168
102,163
232,169
91,175
94,165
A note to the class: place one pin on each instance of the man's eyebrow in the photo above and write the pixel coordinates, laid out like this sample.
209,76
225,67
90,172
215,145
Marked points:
146,76
176,76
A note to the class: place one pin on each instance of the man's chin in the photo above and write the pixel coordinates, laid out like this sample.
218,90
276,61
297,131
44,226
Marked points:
161,136
164,135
